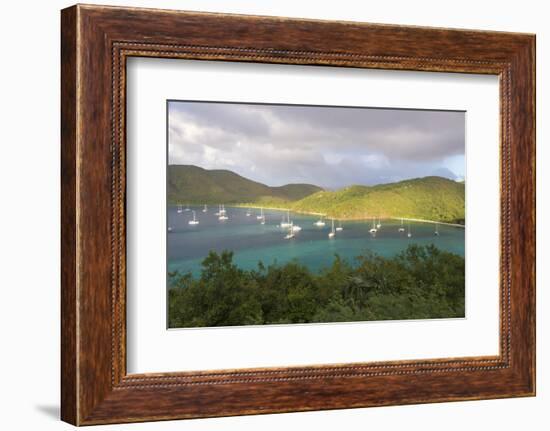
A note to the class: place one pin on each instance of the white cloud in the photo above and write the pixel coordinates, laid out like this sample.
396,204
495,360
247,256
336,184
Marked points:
332,147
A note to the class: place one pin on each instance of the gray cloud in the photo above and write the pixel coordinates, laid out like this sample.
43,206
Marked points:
329,146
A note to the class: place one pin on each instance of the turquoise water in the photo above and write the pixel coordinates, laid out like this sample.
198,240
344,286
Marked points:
251,241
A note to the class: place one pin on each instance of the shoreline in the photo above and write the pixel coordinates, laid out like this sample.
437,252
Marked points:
417,220
351,219
280,209
430,221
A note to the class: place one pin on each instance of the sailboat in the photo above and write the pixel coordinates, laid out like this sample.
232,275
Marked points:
222,213
409,234
287,222
290,224
169,228
248,212
219,210
436,233
261,217
205,209
373,228
180,209
320,222
339,228
290,233
402,228
187,208
378,225
332,232
194,221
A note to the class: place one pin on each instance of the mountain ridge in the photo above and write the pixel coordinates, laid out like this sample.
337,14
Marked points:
192,184
430,198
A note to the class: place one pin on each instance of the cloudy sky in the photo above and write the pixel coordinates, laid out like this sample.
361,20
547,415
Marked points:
328,146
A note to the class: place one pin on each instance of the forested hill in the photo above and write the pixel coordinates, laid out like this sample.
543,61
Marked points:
428,198
194,185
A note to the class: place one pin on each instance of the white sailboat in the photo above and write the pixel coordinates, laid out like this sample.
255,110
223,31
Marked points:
339,228
409,234
373,228
219,209
320,222
436,233
180,209
378,225
332,232
222,214
205,209
248,212
262,216
187,208
286,223
169,228
295,227
402,228
290,233
194,221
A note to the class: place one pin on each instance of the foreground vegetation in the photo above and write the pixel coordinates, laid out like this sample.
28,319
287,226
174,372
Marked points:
420,283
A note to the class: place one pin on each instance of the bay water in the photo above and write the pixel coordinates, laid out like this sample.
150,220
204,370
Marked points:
252,242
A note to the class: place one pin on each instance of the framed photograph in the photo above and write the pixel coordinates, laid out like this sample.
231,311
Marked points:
264,215
362,221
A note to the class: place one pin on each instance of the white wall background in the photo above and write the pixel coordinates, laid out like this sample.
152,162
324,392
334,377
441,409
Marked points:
29,215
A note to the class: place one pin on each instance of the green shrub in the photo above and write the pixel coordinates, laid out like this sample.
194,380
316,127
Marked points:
423,282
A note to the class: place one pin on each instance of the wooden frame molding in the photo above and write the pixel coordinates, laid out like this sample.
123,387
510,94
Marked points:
95,43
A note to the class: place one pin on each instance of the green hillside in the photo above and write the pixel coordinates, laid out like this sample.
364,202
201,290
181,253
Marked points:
429,198
194,185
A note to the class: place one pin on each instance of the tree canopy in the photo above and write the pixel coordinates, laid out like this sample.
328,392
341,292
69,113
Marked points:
422,282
